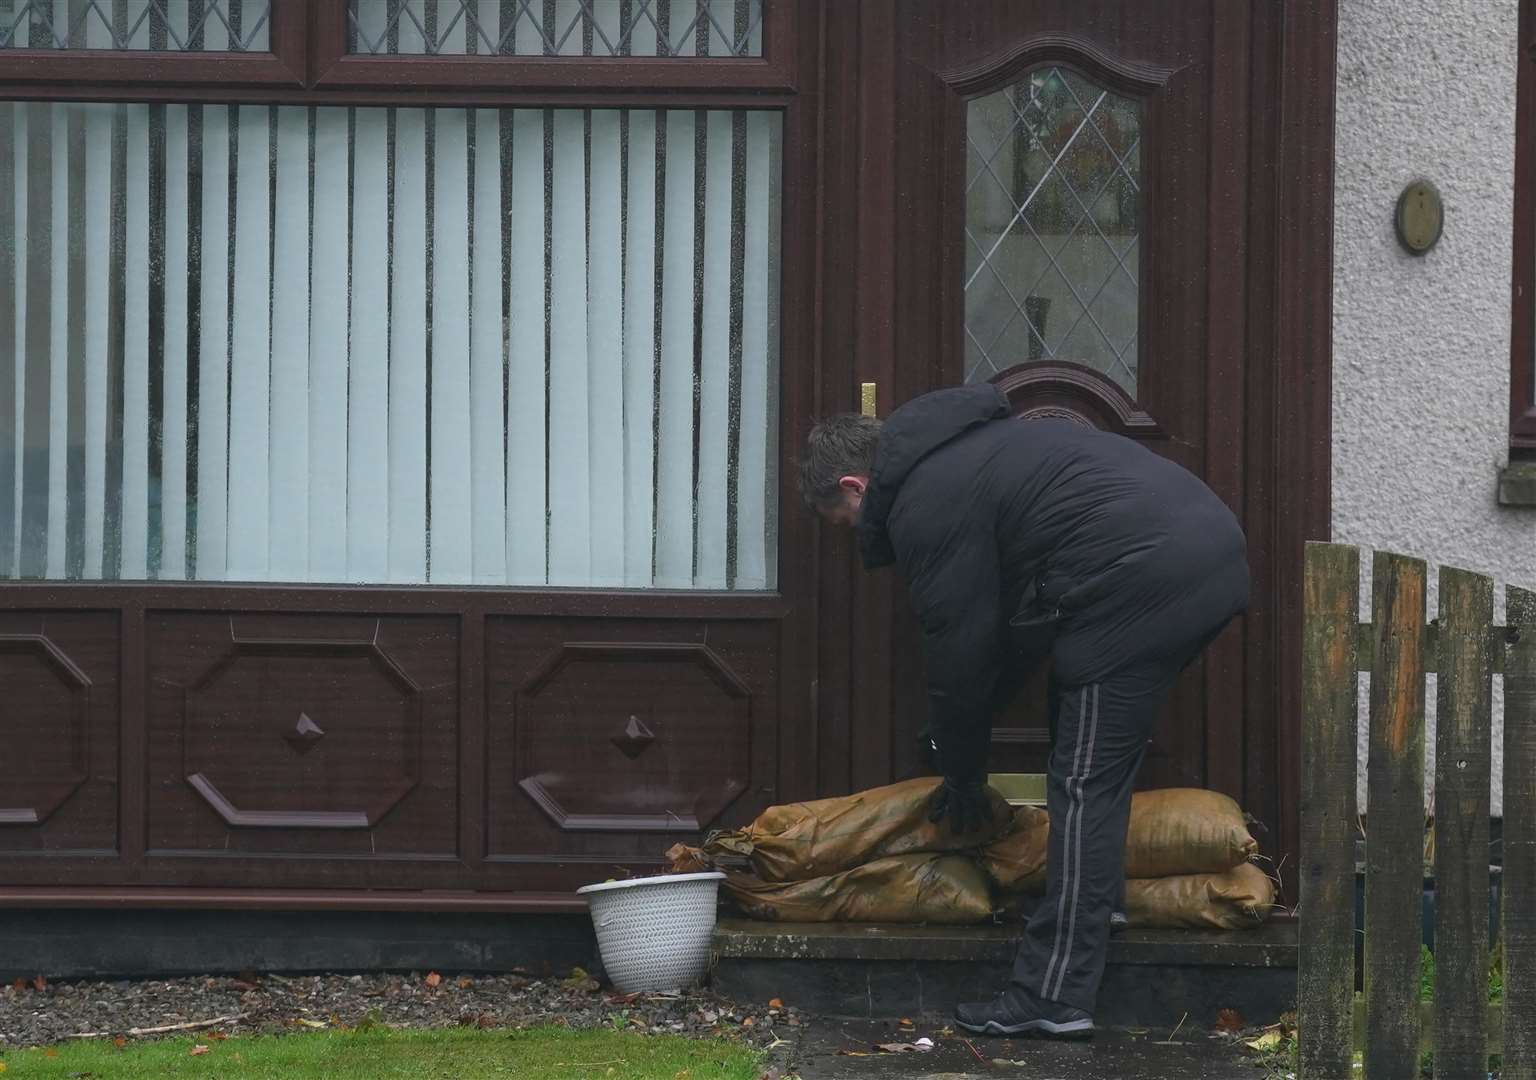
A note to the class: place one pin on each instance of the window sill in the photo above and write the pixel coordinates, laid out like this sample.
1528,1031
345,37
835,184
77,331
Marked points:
1517,484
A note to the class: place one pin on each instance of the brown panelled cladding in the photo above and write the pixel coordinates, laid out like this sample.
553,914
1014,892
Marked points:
522,742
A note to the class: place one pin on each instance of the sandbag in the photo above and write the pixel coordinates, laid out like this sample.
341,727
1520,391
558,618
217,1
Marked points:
1015,863
1185,831
949,889
800,841
1236,899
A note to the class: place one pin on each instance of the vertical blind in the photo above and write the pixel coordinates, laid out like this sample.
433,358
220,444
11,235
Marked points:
491,346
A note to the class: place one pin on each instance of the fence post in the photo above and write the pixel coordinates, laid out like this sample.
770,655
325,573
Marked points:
1330,681
1518,903
1394,844
1463,730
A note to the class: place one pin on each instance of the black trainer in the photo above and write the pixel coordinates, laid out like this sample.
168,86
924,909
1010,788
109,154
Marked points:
1017,1012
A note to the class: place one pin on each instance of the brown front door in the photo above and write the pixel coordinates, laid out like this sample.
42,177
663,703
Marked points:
1090,203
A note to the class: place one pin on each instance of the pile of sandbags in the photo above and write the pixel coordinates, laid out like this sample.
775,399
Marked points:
875,857
1188,861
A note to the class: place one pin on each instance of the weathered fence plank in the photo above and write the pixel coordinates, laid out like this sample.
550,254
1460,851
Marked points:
1394,846
1518,930
1463,729
1326,978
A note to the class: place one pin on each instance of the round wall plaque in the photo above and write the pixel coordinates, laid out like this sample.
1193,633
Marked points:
1420,217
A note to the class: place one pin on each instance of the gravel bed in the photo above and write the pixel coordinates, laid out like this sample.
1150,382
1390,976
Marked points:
37,1012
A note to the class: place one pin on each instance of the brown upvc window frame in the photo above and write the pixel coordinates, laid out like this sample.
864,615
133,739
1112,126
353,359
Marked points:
308,63
1522,373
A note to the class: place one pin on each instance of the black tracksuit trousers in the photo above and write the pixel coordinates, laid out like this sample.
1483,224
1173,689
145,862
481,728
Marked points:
1099,736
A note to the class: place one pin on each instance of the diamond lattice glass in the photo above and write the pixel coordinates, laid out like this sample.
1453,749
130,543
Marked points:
606,28
137,25
1053,184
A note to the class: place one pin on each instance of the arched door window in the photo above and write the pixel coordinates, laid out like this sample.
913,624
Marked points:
1052,221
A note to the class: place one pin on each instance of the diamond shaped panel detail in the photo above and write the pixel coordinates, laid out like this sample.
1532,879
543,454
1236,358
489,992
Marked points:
636,739
609,28
206,26
305,735
1052,218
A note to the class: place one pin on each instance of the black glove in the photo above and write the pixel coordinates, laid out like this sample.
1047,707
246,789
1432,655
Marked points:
966,803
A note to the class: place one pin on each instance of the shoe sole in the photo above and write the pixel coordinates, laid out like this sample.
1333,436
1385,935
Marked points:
1040,1029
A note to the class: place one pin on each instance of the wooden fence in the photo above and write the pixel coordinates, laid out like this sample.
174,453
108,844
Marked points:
1465,647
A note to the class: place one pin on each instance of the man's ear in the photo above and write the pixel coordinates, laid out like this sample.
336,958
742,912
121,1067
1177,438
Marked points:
856,484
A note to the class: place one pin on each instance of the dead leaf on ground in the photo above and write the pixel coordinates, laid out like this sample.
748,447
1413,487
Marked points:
776,1003
50,1053
39,983
748,1022
771,1074
217,1036
466,982
907,1023
581,981
200,1049
922,1046
312,1023
120,1042
1230,1020
433,979
1270,1040
19,984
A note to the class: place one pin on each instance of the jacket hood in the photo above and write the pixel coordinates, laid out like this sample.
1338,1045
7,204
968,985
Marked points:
911,433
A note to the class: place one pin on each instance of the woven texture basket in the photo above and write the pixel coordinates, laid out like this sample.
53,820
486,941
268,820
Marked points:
654,932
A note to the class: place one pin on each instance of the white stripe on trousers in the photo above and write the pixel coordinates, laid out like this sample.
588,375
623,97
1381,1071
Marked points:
1072,846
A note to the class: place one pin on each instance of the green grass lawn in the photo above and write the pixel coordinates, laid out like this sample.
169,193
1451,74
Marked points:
541,1054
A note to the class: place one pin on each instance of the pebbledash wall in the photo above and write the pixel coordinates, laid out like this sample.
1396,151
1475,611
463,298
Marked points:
1426,88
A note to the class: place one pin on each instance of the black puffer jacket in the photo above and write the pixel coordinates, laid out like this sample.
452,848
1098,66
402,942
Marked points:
1022,539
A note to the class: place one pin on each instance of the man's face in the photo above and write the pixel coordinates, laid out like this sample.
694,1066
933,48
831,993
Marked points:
845,511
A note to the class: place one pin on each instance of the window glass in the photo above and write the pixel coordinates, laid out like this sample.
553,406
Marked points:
1053,201
491,346
159,25
653,28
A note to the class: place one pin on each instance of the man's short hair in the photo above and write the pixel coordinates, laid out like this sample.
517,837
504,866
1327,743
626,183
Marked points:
837,446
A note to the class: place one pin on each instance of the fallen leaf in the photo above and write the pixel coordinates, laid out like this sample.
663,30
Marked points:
120,1042
1230,1020
906,1023
748,1022
20,984
771,1074
682,1074
2,1066
580,980
50,1053
312,1023
217,1036
466,982
906,1048
433,979
1001,1062
1267,1041
946,1032
39,983
485,1021
776,1003
200,1049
